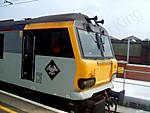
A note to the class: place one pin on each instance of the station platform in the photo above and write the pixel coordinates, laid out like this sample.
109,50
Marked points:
11,104
137,93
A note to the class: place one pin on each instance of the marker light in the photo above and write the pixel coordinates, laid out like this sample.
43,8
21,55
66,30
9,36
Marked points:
86,83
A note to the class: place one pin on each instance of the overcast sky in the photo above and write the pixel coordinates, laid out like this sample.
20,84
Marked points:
122,17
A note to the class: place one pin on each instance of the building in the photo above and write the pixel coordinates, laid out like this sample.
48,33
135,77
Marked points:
139,50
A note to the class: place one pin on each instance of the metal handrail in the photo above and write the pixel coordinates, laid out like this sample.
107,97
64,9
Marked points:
138,71
134,71
124,82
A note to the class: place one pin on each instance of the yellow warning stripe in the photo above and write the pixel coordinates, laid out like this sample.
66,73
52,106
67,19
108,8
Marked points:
48,25
6,109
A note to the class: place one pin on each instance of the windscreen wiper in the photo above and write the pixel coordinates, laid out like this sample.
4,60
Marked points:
100,44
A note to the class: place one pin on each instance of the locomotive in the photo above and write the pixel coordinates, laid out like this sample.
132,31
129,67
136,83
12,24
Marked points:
67,58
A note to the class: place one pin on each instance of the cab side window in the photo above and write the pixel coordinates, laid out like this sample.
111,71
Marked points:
53,42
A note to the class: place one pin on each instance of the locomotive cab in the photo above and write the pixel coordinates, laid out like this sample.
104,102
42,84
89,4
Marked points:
95,61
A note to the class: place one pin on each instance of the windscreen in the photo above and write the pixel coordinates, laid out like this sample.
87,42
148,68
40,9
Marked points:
89,44
95,45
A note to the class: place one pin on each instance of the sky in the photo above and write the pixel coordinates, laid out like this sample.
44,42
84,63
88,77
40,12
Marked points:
123,18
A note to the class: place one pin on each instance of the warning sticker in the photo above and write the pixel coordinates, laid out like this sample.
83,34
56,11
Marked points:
121,70
52,70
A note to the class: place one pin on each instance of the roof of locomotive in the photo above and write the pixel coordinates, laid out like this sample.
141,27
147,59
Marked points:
19,25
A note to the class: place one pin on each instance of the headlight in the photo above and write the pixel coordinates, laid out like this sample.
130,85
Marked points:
113,76
86,83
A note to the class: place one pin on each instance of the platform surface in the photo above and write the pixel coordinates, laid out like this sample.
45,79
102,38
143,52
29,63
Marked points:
5,108
133,88
137,93
19,106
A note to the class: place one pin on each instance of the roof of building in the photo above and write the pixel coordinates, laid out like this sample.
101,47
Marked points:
132,38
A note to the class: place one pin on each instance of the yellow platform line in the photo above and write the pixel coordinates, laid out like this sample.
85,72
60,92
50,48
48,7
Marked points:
6,109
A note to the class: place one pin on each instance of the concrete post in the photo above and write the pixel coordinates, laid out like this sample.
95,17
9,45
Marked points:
128,51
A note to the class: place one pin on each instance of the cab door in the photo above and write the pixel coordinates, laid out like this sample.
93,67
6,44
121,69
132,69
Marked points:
1,45
28,56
